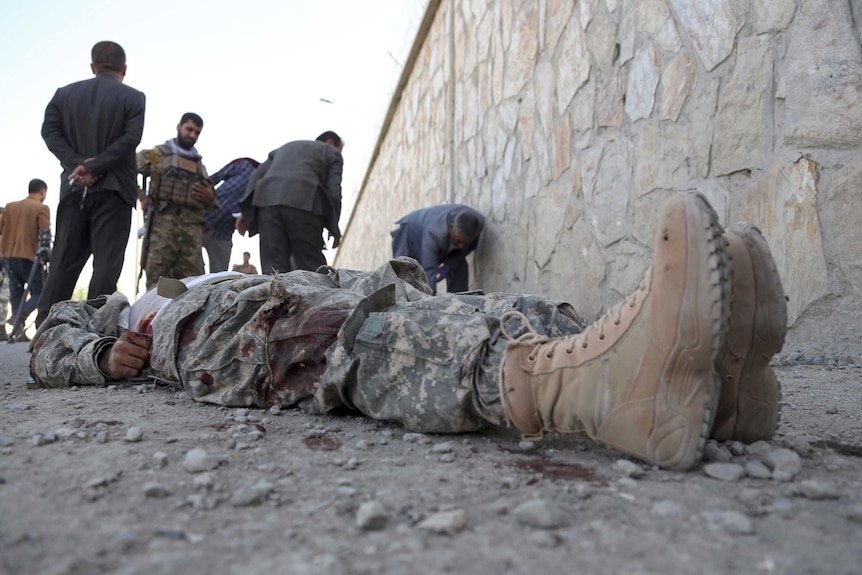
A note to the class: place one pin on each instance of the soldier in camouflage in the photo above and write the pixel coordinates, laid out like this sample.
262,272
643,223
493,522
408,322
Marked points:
180,193
650,378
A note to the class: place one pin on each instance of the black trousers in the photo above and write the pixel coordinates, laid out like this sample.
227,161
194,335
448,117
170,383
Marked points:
98,227
290,234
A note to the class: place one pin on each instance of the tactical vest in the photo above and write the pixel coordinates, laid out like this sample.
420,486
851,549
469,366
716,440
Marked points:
172,178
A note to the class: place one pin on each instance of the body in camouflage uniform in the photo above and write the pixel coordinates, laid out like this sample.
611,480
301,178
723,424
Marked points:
175,222
377,342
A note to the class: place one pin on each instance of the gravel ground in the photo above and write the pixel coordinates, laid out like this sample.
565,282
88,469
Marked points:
137,479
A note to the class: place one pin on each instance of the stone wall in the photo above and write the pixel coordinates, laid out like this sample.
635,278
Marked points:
569,123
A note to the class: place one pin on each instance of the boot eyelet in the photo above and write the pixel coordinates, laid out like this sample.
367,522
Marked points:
549,355
602,336
584,345
569,351
531,357
616,322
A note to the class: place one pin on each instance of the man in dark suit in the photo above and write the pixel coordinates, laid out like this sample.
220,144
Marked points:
440,238
93,127
299,186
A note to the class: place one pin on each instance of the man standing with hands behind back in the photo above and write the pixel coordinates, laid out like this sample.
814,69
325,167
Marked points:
93,128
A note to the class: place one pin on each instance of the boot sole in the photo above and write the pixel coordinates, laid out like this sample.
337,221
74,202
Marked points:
751,394
688,395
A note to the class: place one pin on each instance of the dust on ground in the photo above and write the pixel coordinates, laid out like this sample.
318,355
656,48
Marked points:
133,478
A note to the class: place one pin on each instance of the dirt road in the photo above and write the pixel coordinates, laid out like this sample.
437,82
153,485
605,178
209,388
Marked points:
134,479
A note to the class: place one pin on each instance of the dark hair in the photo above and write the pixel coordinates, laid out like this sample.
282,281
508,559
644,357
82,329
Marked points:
329,135
37,185
107,55
192,117
467,225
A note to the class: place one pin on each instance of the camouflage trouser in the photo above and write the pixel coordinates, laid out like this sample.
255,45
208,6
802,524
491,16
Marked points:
176,241
433,365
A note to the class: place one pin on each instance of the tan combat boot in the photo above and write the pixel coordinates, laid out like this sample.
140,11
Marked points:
642,378
749,409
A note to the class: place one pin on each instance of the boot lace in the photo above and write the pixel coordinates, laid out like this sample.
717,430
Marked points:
595,331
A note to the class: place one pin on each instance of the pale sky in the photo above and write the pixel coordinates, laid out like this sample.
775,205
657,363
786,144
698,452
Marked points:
256,71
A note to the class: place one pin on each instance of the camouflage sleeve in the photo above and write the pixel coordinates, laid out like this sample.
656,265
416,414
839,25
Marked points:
66,348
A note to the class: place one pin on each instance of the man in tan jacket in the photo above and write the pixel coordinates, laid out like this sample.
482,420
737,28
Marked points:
19,242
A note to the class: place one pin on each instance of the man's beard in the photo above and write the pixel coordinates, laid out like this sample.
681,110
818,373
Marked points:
183,143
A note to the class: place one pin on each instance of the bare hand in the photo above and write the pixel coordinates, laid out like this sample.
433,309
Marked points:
127,357
240,226
203,192
81,177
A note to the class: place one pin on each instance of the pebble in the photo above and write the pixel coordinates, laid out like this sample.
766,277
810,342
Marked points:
102,436
251,493
759,448
724,471
203,481
854,513
352,463
445,447
544,539
736,447
628,468
732,522
538,513
446,522
784,463
419,438
134,435
526,445
198,460
275,410
757,470
156,490
371,516
669,507
712,451
508,482
362,445
64,433
447,458
42,439
817,489
6,441
160,459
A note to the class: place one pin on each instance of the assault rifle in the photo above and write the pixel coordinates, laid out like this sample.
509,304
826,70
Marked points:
149,214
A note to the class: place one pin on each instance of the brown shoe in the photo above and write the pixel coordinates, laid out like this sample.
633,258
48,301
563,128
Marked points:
642,378
749,408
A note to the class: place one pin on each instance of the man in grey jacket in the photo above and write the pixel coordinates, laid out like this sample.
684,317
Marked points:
299,185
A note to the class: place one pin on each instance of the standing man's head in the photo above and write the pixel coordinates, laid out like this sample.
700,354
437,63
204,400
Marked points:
108,57
38,189
331,138
245,257
188,130
464,229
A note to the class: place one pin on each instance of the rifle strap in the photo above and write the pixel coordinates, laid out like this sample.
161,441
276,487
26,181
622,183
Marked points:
154,173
